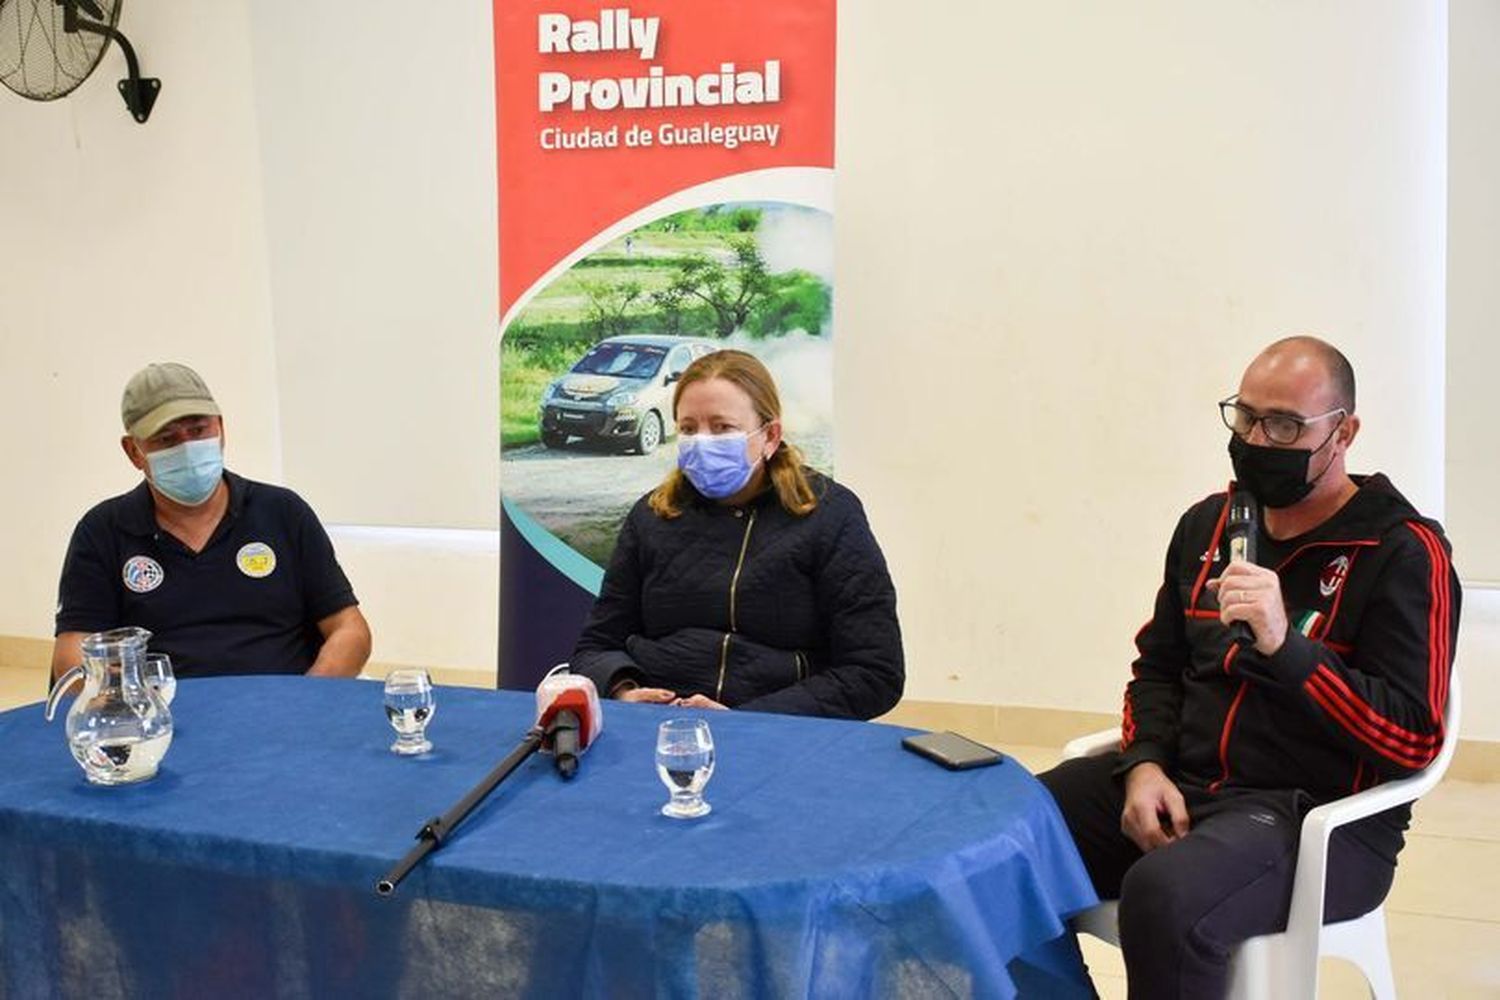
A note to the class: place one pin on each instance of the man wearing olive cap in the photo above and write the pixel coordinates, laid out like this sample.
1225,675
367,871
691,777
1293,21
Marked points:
230,576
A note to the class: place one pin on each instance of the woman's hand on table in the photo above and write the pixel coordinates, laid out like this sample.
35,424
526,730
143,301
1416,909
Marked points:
700,701
654,696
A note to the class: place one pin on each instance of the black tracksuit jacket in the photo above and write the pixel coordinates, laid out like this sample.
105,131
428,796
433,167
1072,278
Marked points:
752,606
1355,695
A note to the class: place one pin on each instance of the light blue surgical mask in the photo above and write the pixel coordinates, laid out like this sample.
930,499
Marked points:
188,472
716,464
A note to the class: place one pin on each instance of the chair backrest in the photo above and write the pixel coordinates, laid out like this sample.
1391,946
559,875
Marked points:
1295,957
1286,964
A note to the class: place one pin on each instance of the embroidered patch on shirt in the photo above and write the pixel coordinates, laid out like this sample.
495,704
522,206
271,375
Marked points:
142,574
1333,576
1307,622
256,560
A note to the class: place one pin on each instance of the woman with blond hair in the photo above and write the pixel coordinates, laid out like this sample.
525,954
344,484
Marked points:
745,580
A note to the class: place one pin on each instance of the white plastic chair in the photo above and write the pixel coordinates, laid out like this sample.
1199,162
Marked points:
1285,965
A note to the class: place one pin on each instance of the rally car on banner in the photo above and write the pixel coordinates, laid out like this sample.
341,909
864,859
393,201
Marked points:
620,392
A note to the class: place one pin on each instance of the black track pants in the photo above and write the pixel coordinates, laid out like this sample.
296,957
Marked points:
1184,906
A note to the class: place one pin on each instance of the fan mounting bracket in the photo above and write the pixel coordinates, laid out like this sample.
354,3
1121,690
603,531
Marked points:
140,95
139,92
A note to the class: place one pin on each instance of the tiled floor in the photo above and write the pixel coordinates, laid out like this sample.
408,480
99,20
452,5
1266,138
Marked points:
1444,911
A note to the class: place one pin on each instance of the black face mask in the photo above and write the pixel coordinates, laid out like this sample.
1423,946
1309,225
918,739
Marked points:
1276,477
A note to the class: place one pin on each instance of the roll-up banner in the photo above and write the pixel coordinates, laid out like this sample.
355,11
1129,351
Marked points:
666,190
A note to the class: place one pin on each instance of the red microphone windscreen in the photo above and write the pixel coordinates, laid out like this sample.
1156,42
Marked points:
577,701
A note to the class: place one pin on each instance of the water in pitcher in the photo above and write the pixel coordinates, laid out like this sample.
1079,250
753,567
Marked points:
120,760
119,727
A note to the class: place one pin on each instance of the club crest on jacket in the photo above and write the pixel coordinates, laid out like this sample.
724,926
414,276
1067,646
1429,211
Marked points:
1333,576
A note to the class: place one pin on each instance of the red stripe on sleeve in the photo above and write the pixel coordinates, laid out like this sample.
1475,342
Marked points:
1434,589
1340,713
1437,620
1378,724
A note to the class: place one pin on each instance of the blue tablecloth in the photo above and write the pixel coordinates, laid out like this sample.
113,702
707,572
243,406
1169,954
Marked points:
834,862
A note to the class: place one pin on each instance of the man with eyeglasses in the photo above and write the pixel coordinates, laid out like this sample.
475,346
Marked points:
230,576
1226,744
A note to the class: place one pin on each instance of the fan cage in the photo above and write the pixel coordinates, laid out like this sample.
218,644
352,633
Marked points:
41,61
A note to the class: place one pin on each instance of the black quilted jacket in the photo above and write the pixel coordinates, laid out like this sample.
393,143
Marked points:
752,606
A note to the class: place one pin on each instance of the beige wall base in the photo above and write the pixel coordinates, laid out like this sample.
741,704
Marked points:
452,676
1042,727
1475,760
25,653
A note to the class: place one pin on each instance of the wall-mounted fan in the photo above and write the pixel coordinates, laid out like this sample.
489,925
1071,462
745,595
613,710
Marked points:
48,47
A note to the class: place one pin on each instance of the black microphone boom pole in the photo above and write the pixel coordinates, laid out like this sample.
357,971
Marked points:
436,831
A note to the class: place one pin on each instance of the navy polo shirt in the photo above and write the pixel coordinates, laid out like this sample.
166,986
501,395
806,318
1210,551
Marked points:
249,603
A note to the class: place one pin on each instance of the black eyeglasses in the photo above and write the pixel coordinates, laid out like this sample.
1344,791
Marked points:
1279,428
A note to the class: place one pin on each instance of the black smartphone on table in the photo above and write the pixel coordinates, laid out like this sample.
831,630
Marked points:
955,752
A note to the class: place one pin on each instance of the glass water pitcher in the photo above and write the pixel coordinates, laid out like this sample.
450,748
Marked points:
118,727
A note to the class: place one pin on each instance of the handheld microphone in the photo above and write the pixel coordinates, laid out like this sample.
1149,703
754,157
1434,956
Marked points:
567,710
1243,525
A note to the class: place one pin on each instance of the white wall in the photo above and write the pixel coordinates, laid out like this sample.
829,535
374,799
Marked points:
1063,229
122,244
1474,287
377,128
1473,347
431,593
374,377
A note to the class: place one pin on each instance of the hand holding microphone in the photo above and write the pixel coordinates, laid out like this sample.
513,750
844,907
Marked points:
1249,595
1244,524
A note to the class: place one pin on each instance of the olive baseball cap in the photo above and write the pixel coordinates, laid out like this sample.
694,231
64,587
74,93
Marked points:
161,393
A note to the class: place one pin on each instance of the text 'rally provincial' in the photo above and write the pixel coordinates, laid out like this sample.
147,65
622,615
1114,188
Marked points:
616,30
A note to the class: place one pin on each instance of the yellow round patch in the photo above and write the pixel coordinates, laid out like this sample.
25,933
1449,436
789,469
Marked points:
256,560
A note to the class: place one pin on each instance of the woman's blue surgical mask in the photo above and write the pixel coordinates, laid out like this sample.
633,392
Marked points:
716,464
188,472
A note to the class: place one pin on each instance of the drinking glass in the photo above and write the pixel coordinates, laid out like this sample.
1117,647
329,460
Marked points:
685,762
156,671
409,706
